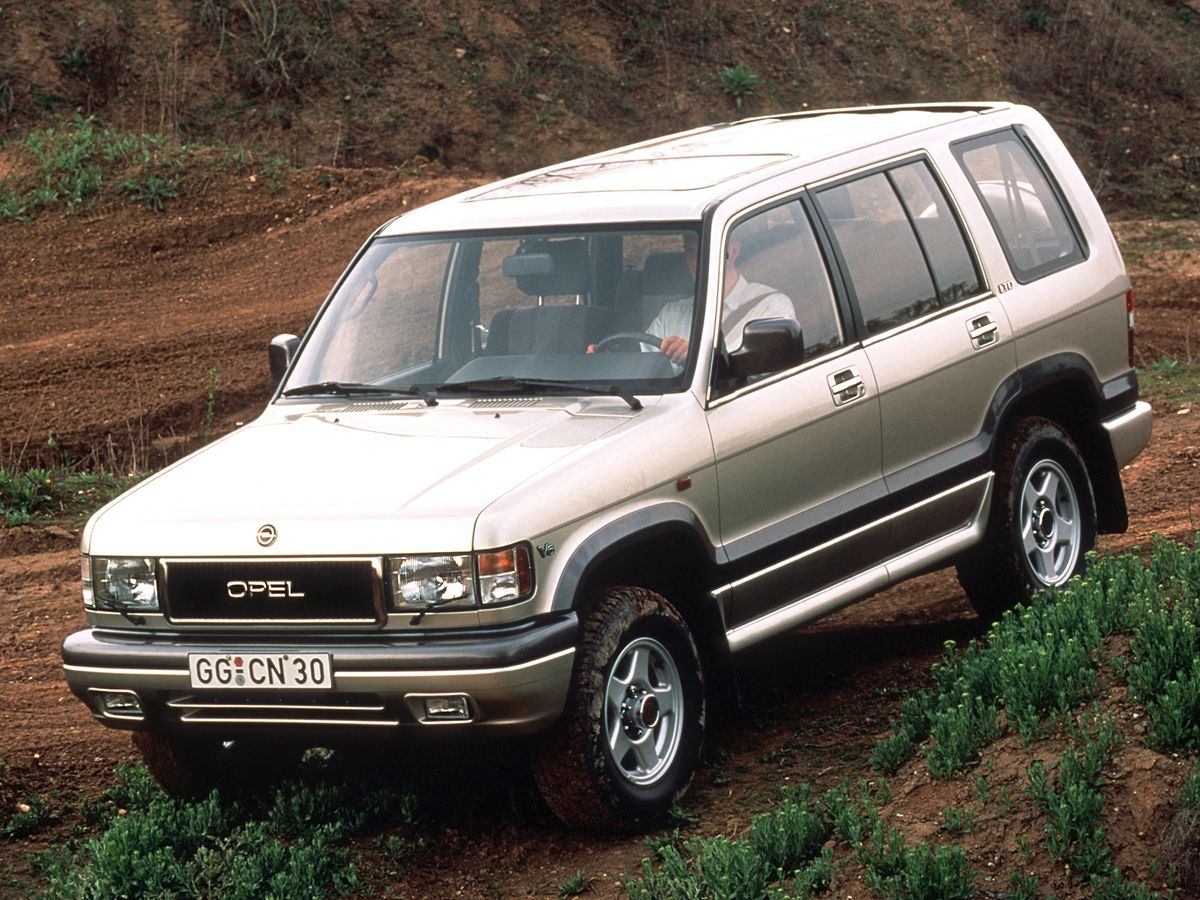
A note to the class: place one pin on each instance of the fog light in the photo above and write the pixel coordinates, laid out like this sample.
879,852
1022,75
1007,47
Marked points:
121,704
447,709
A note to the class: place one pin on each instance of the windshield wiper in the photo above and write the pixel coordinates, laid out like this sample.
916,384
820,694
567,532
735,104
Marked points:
354,389
114,606
511,383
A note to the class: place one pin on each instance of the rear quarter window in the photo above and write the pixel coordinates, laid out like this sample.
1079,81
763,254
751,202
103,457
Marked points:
1027,210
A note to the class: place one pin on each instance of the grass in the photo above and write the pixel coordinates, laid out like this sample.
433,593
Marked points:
40,495
1170,383
74,163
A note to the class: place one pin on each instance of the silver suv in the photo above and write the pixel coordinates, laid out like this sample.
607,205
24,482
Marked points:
556,450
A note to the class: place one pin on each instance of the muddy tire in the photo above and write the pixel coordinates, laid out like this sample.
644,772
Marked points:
192,767
1042,522
629,741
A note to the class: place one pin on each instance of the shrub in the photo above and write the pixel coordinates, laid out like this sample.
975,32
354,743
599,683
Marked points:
958,732
738,82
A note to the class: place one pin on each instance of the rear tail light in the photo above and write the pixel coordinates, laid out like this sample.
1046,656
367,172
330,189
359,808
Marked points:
1129,315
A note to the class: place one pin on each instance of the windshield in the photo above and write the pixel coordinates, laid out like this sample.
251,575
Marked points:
522,313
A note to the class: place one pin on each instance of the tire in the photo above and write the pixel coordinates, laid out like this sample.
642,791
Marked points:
192,767
627,745
1042,521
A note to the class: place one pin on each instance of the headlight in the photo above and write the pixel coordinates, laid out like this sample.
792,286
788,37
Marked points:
418,581
126,583
459,581
504,575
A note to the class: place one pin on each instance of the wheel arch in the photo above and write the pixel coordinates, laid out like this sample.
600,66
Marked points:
1065,389
666,549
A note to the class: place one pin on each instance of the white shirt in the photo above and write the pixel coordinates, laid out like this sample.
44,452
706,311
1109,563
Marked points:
675,318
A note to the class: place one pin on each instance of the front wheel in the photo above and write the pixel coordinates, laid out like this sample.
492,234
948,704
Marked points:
1042,522
628,743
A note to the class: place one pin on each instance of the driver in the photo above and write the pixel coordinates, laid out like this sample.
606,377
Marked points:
744,301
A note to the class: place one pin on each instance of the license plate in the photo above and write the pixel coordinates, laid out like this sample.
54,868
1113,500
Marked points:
260,670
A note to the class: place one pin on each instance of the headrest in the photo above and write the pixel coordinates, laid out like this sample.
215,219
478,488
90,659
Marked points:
667,275
563,269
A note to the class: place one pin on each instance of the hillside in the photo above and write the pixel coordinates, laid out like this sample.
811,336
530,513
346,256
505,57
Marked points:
500,87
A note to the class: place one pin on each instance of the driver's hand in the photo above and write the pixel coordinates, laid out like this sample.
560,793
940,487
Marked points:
591,348
675,347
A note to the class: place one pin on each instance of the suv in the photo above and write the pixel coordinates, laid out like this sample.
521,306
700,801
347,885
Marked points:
556,450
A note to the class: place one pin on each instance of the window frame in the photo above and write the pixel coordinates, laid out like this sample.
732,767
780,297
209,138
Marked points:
851,333
1022,275
885,169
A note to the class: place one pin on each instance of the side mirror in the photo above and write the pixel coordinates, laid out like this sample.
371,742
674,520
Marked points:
281,352
768,345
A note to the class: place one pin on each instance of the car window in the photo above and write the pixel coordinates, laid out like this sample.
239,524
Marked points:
388,325
775,268
883,259
954,269
455,310
1030,219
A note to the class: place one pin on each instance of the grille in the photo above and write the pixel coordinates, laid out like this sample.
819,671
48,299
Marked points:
299,591
247,709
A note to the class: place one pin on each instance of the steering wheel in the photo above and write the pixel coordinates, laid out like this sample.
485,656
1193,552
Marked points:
641,337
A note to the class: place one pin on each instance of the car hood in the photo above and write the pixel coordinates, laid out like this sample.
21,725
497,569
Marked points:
348,482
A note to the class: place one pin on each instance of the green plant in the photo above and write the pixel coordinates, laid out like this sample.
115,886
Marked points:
738,83
24,495
151,190
943,873
287,843
1024,886
781,844
982,790
958,821
958,732
1189,794
31,815
75,160
1073,807
1038,20
574,885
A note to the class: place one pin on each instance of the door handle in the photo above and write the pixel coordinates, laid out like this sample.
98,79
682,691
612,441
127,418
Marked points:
983,330
846,386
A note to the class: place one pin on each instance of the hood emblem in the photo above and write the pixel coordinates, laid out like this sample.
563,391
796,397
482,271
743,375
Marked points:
266,536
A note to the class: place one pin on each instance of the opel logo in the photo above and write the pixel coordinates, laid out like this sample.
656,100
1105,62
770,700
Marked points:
266,536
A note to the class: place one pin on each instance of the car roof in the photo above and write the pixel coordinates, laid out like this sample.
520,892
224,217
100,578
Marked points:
676,177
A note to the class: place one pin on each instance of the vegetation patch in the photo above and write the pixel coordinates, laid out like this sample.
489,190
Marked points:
70,165
38,495
1036,674
285,841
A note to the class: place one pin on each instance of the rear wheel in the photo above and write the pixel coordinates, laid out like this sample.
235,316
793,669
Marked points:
192,767
1042,523
628,744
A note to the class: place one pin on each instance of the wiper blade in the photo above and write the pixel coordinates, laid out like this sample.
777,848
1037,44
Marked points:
510,383
113,606
353,389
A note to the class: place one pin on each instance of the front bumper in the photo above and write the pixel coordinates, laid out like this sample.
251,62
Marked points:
515,680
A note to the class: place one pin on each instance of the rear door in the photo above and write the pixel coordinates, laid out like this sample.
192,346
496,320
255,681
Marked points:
936,338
